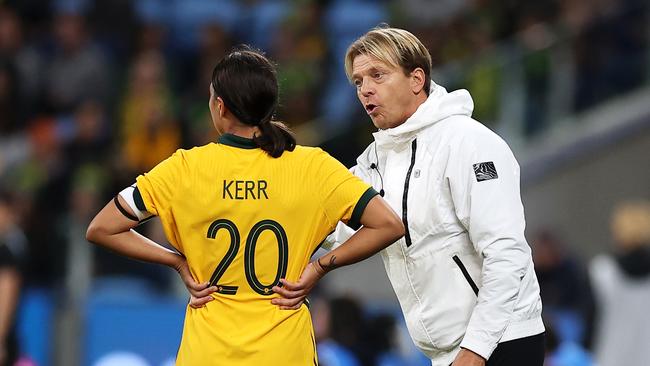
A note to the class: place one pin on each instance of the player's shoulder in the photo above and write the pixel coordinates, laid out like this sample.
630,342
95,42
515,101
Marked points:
311,158
306,152
190,158
197,152
183,155
302,149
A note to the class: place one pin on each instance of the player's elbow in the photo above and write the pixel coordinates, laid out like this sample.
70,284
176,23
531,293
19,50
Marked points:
91,233
95,232
396,227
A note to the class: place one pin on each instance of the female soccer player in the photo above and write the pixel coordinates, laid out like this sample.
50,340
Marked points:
243,213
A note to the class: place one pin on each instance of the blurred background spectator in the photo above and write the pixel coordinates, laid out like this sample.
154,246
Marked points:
94,92
564,352
346,335
564,287
621,283
12,252
339,339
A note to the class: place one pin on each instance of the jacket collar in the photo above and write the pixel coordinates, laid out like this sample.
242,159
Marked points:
439,105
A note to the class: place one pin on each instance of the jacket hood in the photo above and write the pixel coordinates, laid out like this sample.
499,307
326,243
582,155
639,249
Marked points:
439,105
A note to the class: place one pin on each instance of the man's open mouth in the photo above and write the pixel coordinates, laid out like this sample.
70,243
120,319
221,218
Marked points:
370,108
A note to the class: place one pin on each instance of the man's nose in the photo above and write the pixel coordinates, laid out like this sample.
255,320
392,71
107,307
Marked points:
367,89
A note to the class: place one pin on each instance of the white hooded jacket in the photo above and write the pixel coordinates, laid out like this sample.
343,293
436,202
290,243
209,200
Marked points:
463,273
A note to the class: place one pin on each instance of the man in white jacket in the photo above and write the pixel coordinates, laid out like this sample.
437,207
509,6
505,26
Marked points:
463,272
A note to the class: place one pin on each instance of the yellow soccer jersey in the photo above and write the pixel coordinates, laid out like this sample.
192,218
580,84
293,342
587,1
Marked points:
244,220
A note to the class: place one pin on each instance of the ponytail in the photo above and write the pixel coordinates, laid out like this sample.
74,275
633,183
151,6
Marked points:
275,138
247,83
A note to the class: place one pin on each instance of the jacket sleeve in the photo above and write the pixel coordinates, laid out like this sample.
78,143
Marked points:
483,176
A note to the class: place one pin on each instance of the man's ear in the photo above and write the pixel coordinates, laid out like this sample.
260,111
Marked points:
417,80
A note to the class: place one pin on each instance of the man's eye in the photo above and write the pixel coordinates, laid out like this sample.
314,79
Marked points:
377,75
357,83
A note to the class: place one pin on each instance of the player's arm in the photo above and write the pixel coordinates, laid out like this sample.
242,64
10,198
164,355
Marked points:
381,227
113,228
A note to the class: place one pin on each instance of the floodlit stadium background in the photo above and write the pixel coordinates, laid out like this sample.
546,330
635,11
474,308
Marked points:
93,92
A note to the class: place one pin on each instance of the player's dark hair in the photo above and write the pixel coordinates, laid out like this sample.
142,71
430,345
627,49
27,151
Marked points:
246,82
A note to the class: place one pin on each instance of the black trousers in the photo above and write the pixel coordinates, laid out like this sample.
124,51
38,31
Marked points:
528,351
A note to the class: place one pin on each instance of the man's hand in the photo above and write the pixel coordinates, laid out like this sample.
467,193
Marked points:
294,293
199,292
468,358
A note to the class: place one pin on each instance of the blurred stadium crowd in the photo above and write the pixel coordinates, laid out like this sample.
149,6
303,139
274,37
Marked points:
94,92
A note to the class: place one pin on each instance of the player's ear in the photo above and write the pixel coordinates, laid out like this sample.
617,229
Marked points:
221,107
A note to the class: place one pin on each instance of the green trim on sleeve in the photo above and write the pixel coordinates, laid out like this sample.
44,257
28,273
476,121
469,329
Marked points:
354,221
137,198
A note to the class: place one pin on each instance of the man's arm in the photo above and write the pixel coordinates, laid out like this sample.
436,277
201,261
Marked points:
485,191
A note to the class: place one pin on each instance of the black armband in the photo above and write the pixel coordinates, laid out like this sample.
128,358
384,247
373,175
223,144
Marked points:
124,211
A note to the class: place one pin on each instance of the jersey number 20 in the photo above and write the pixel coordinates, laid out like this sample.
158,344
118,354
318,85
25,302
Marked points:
249,255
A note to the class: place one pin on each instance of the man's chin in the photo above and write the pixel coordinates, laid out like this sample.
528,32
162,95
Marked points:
382,125
378,122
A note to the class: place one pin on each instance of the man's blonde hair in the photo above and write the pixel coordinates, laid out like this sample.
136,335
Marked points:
392,46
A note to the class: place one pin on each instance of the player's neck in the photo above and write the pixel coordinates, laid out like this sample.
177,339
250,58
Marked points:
242,130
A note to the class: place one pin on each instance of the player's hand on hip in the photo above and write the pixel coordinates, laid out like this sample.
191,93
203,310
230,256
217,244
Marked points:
468,358
200,293
294,293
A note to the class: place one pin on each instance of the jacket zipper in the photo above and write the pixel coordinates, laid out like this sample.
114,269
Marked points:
466,274
407,234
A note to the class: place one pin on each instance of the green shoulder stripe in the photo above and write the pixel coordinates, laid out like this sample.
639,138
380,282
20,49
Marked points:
354,222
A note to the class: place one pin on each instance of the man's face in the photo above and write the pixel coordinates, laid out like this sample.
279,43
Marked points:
384,91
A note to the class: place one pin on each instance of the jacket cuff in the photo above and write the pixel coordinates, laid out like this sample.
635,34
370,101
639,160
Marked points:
480,348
